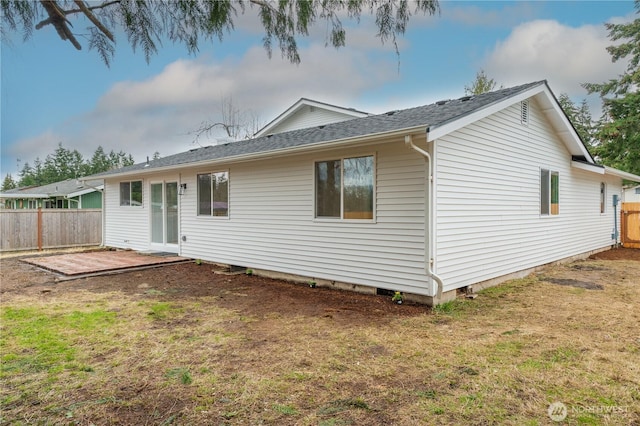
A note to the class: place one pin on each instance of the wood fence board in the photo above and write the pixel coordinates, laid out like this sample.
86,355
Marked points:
630,225
60,228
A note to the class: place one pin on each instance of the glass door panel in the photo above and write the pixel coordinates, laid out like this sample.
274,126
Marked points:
171,203
157,213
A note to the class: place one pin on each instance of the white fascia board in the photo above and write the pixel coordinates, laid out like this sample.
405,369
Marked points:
318,146
24,196
588,167
619,173
452,126
84,191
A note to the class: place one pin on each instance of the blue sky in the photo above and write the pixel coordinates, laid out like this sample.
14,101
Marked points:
51,93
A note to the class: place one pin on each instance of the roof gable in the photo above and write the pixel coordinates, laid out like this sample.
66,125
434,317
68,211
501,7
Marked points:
550,107
307,112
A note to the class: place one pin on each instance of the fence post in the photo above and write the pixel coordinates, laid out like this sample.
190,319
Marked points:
39,228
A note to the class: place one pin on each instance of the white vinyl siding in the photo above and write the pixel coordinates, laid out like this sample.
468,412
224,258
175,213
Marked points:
127,227
272,226
488,221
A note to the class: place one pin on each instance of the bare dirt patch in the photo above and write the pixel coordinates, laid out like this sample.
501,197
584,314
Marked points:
187,344
620,253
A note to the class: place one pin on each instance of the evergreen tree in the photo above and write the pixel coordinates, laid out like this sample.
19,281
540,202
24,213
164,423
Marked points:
27,177
482,84
580,117
8,183
65,164
99,162
619,135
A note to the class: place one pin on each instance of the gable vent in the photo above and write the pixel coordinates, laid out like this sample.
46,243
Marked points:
524,112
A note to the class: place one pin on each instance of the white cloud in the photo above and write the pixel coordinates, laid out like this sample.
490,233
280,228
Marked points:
546,49
157,114
473,15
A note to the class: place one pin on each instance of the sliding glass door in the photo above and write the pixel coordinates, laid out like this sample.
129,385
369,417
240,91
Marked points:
164,214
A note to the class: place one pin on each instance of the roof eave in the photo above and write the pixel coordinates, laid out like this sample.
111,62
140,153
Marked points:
621,174
24,196
318,146
85,191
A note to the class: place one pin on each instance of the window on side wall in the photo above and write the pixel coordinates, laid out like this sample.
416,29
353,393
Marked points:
549,192
213,194
344,188
603,196
131,193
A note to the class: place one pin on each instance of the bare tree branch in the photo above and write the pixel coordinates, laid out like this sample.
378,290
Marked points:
94,20
60,22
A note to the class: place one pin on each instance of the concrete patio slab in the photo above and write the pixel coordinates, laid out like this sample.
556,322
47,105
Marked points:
74,264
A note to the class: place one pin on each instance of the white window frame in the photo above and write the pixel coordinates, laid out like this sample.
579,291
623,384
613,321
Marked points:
374,196
603,198
549,204
130,182
211,215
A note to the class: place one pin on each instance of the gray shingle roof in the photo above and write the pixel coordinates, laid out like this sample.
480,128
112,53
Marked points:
57,189
432,115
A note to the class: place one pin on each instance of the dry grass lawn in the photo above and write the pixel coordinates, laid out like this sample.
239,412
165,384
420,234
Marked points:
101,351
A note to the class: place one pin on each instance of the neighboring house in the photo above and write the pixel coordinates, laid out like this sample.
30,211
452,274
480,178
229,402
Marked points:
68,194
427,200
309,113
631,194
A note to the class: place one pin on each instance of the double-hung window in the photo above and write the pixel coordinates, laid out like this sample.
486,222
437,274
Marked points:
213,194
131,193
549,192
344,188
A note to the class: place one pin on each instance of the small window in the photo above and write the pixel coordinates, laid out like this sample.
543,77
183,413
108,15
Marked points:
131,193
344,188
213,194
524,112
603,196
637,190
549,192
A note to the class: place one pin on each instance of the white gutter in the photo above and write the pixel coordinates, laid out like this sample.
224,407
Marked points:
24,195
621,174
588,167
430,224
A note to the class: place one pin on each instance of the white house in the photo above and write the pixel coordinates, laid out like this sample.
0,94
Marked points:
425,201
67,194
631,194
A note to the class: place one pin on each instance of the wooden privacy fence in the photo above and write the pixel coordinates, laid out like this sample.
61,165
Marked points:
630,225
49,228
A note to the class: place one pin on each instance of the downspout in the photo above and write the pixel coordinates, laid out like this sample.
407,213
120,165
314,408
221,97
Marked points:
430,224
